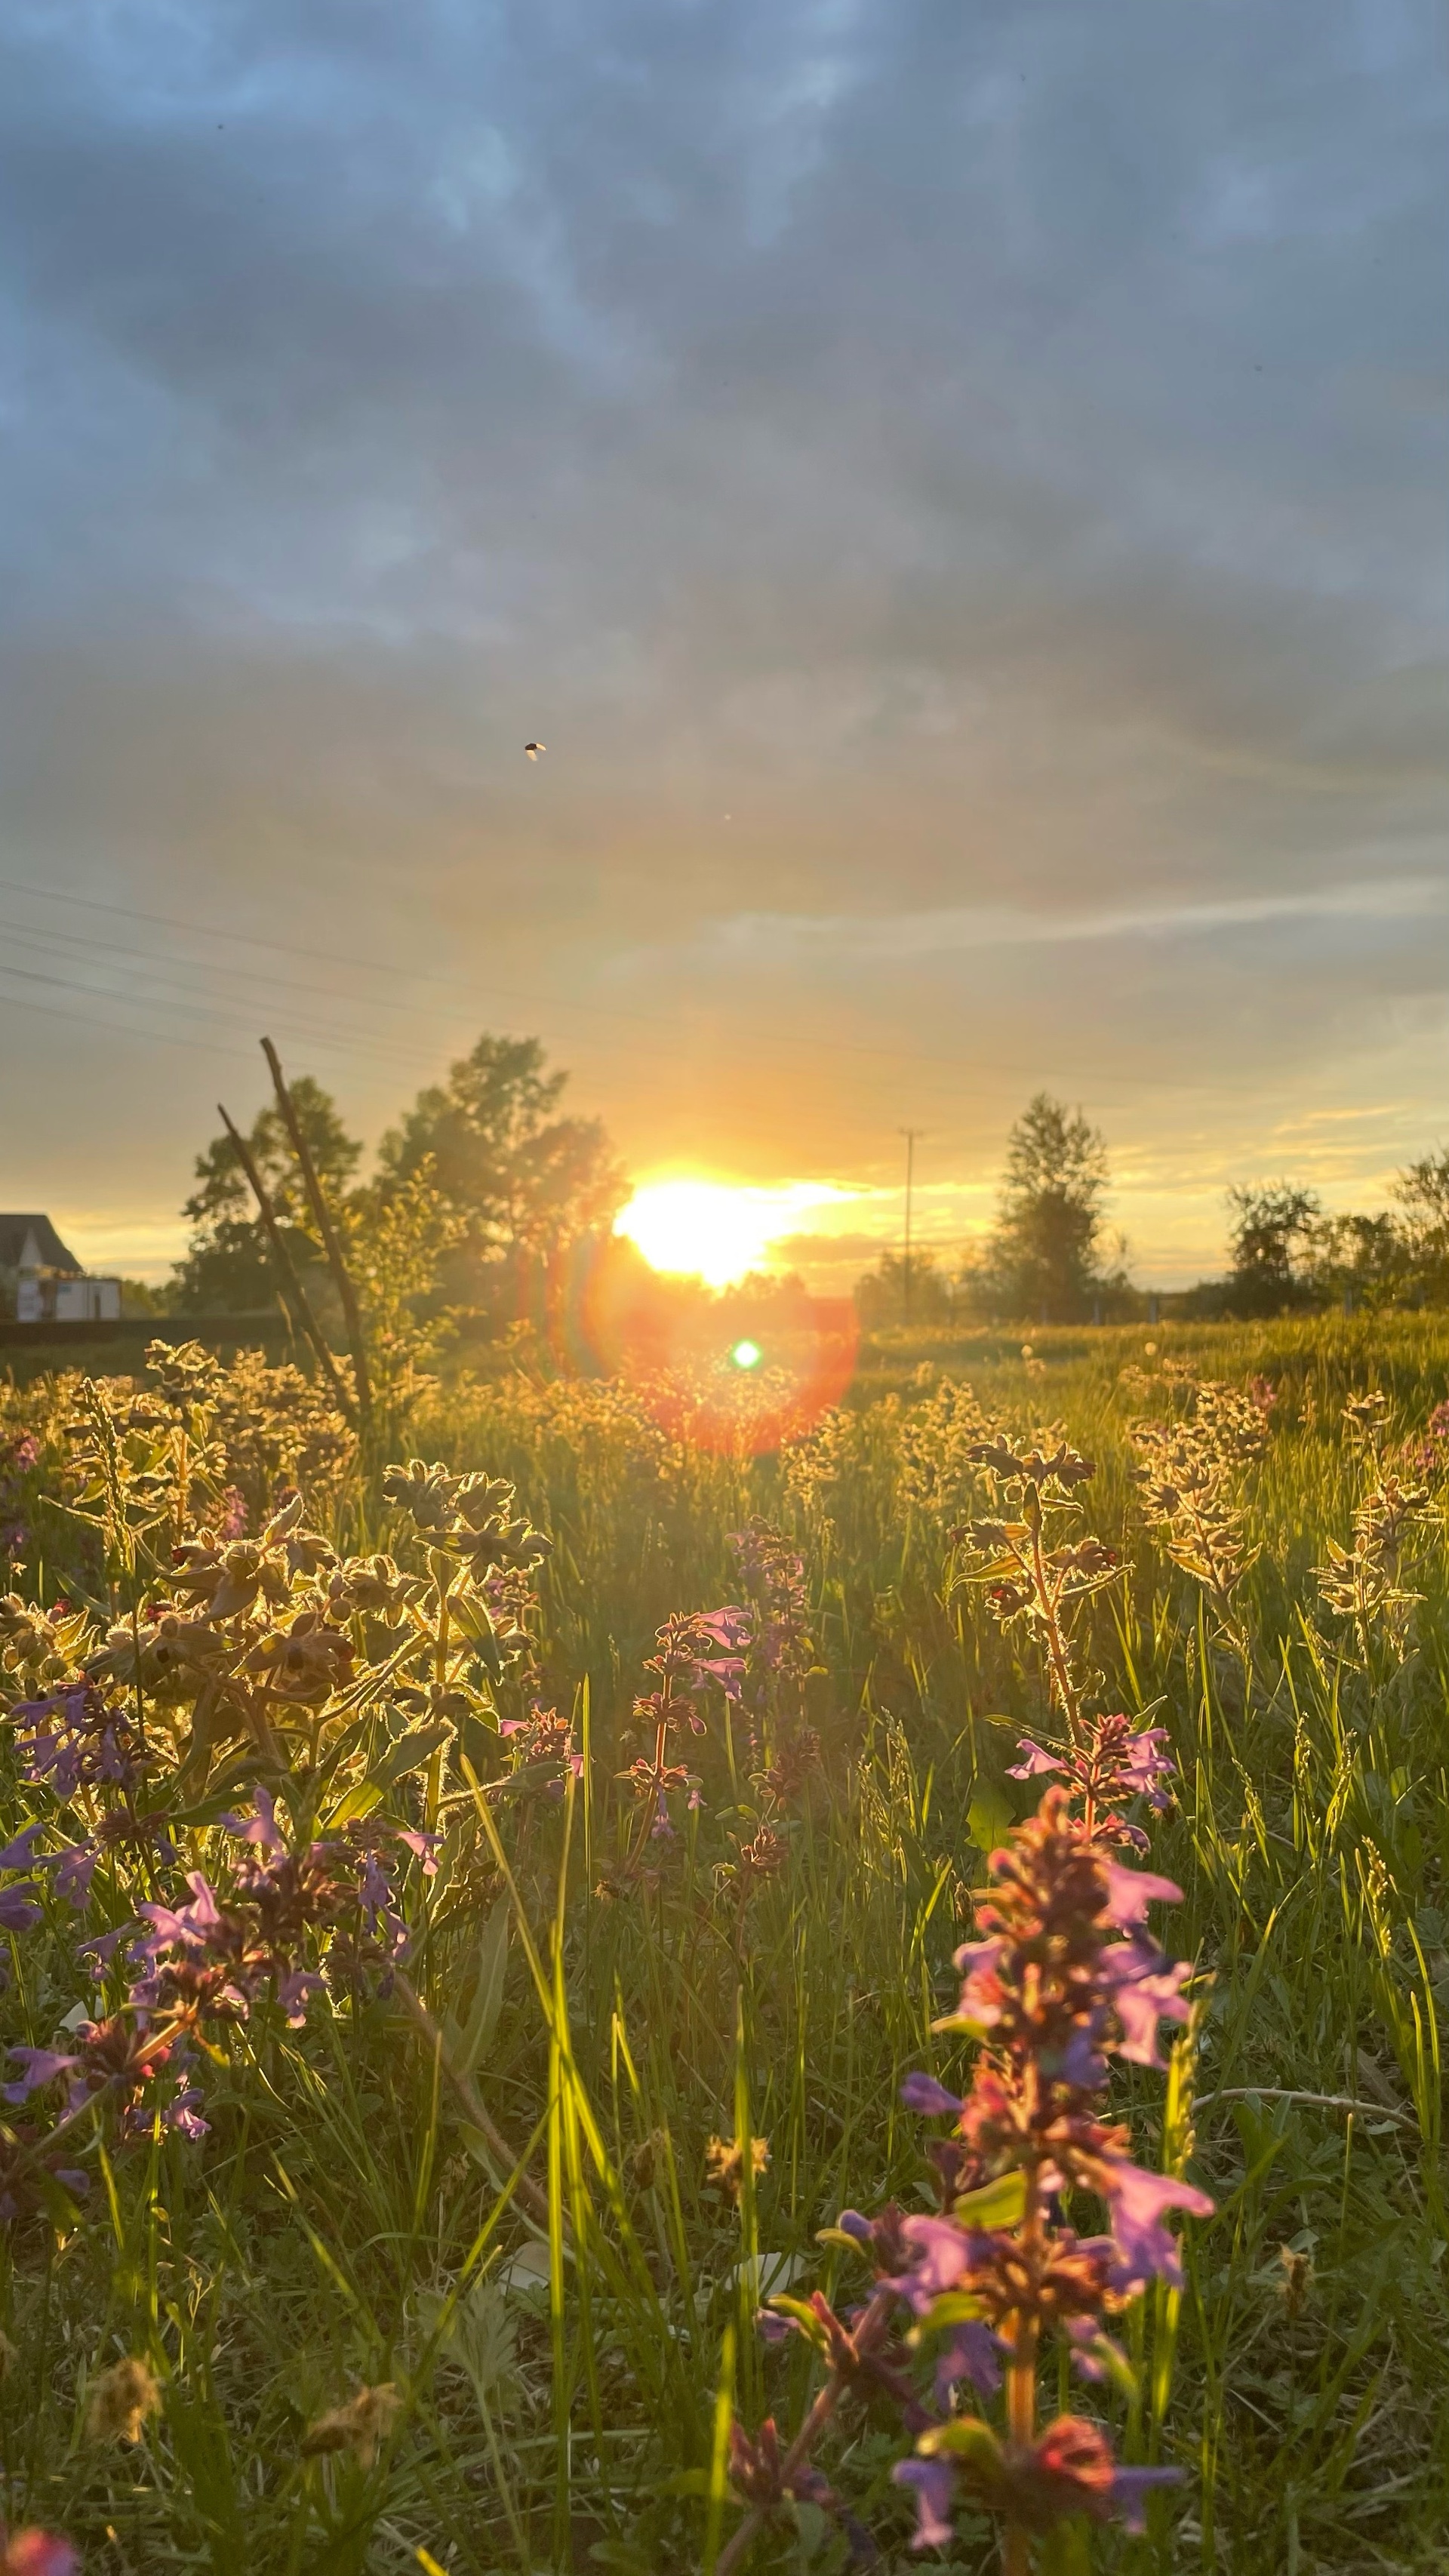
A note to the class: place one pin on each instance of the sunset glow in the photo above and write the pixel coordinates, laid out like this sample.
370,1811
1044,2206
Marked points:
714,1230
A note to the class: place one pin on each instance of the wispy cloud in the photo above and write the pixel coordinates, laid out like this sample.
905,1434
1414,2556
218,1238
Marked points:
775,937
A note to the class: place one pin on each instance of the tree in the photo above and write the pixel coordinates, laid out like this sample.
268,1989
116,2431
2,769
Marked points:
229,1267
1423,1195
523,1180
1272,1230
1365,1258
880,1296
1042,1256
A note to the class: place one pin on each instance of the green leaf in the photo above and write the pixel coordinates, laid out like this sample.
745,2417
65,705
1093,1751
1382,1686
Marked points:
962,2437
804,2316
953,2308
467,2041
409,1753
997,2204
840,2236
359,1801
989,1817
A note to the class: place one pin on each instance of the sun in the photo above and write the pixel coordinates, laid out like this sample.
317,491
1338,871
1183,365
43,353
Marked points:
717,1231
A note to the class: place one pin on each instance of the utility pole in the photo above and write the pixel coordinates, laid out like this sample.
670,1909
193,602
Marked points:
910,1134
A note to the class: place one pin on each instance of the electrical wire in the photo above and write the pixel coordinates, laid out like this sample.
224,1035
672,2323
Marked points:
769,1041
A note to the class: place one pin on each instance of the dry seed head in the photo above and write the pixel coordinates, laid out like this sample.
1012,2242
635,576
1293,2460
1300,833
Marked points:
724,2163
1297,2280
120,2400
645,2158
359,2426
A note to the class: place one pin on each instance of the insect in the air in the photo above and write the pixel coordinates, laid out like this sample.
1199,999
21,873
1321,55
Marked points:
534,748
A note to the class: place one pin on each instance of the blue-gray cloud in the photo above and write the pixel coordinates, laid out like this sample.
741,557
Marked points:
995,455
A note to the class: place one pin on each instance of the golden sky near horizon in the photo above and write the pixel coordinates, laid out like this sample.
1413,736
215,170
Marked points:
959,495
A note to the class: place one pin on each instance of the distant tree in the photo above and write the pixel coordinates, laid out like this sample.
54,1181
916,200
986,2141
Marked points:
140,1297
1365,1258
1422,1191
229,1267
1271,1235
523,1180
880,1296
1042,1258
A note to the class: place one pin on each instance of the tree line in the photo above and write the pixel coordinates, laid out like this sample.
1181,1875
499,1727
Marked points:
1048,1258
484,1172
486,1177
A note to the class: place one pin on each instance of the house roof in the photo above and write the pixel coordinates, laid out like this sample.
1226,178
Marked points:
53,1254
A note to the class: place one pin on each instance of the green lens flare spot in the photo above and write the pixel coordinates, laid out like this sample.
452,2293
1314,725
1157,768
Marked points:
747,1355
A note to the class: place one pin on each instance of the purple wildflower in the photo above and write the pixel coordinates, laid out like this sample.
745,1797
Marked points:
922,2093
38,2067
18,1908
1146,2249
74,1868
933,2484
260,1828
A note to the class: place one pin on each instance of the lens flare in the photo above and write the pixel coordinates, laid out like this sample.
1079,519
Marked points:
712,1230
747,1355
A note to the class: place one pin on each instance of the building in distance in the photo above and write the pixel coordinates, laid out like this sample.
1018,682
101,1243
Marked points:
41,1281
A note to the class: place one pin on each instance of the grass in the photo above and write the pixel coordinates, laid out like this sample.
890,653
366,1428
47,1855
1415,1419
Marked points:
563,2377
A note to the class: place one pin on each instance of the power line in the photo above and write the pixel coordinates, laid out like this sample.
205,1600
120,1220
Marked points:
574,1010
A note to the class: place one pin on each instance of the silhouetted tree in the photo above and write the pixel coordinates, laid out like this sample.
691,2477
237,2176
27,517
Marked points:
1042,1257
880,1296
228,1269
1271,1234
523,1180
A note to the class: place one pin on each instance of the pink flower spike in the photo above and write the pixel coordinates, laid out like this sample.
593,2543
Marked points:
260,1828
37,2553
39,2067
1036,1760
922,2093
1146,2249
1131,1891
1145,1995
941,2252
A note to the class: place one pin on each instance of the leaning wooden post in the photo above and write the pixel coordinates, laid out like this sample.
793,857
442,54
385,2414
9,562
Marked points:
331,1240
291,1285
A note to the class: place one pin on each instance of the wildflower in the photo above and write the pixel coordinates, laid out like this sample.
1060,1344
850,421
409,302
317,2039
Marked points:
1297,2280
119,2402
361,2426
24,2159
725,2163
1069,2469
38,2067
1112,1766
304,1662
544,1741
796,1760
34,2552
759,2476
757,1860
1063,1975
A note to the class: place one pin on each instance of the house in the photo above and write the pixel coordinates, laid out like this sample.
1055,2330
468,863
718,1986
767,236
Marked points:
43,1283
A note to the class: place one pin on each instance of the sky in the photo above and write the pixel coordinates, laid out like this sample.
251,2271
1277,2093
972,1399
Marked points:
958,486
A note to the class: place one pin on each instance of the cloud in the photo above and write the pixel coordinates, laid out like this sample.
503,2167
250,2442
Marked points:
995,458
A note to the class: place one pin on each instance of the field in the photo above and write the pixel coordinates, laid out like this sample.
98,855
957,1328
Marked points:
462,2269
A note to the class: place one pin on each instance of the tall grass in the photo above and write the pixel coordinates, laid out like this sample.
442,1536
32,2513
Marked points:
561,2297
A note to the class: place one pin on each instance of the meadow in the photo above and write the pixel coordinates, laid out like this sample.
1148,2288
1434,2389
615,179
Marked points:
414,2206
